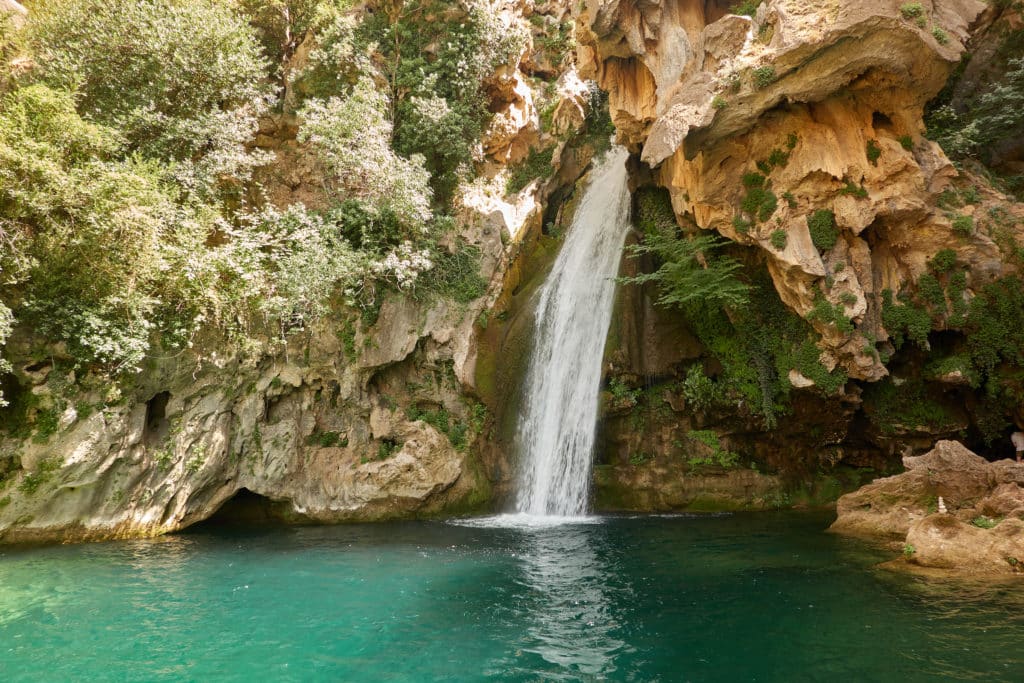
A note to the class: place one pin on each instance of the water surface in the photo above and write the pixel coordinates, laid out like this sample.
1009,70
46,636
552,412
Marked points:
704,598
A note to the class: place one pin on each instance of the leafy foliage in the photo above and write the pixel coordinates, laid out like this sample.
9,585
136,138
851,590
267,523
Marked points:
689,271
197,109
822,226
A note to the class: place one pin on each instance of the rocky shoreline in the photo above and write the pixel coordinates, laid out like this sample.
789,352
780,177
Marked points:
952,509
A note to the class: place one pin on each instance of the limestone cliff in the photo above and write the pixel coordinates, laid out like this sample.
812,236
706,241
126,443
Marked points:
367,414
798,134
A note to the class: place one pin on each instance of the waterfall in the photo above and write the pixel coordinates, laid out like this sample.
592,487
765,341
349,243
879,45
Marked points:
557,425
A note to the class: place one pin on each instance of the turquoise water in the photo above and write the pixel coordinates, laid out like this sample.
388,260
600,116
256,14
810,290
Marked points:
713,598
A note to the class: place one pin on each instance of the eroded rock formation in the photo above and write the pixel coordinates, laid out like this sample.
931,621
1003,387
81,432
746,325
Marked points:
830,100
981,530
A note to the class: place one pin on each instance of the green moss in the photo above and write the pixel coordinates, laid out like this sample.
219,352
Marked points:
715,453
894,409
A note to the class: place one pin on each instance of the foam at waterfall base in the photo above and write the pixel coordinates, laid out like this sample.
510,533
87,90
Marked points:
522,520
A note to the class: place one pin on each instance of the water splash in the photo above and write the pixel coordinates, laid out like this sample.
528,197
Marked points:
556,428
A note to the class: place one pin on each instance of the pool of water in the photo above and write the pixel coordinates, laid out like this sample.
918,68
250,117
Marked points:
766,597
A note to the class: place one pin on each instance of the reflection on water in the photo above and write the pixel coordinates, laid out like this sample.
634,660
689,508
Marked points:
571,623
737,598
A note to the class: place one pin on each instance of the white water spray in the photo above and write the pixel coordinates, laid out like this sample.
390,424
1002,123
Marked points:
556,429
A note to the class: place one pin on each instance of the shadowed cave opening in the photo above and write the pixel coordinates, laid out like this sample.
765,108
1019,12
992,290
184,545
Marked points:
248,509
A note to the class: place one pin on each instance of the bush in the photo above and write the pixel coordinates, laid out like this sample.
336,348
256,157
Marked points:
536,165
351,137
873,152
764,76
681,278
435,60
963,225
198,108
746,8
912,10
943,261
822,226
941,37
779,239
905,321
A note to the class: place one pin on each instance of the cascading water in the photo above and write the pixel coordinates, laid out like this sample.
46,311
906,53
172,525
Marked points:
556,429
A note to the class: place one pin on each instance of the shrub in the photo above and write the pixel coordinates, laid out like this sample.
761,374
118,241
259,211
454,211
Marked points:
853,190
198,108
941,37
351,137
700,391
746,7
831,314
905,321
764,76
536,165
778,239
681,278
943,261
717,455
822,226
873,152
912,10
983,522
963,225
719,102
907,142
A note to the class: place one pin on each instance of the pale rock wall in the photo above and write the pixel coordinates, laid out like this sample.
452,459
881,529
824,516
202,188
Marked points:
684,95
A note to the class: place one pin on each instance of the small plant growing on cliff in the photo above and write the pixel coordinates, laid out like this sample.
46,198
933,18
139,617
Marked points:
983,522
759,202
853,190
963,225
746,8
719,102
717,456
764,76
44,472
907,142
779,239
822,226
905,321
941,37
912,10
829,313
943,261
908,550
790,199
873,151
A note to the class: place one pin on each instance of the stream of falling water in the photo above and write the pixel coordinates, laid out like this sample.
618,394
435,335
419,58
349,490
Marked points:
557,425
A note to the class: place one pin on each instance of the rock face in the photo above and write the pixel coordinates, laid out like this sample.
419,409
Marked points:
982,530
354,418
829,100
